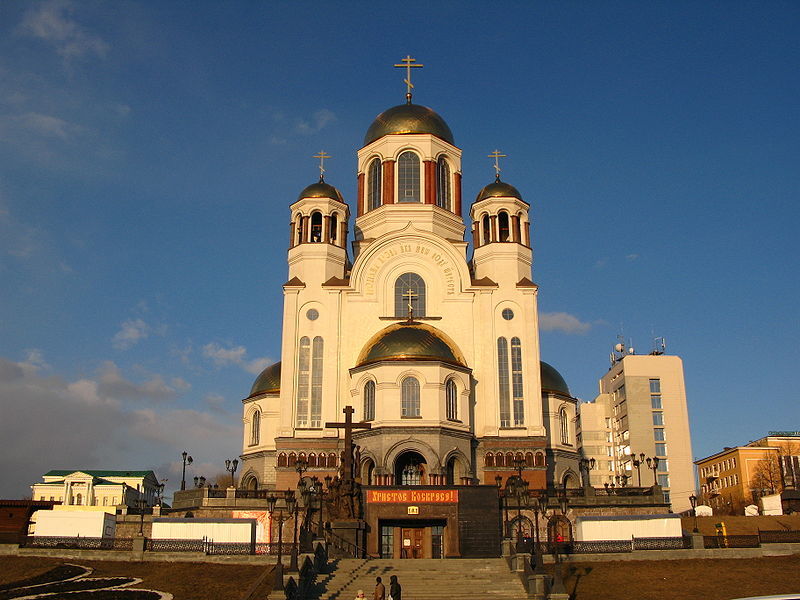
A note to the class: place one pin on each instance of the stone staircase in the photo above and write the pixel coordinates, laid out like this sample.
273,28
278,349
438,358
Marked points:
422,579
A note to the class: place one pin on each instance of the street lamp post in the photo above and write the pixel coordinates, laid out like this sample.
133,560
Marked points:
281,519
652,463
141,504
558,582
586,465
187,460
693,502
291,505
637,462
231,466
540,506
199,482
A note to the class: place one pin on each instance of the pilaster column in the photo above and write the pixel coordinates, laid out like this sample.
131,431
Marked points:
430,181
457,193
360,201
388,182
515,228
493,228
326,228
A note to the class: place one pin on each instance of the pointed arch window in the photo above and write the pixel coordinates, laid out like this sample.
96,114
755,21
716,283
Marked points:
409,397
503,226
564,422
443,183
255,428
369,401
309,383
374,183
408,177
503,380
486,229
509,376
413,283
316,227
451,399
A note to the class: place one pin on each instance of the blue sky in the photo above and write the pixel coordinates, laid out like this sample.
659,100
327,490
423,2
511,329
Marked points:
149,152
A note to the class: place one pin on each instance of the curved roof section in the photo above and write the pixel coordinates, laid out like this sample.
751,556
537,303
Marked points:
408,118
552,381
411,341
321,190
498,189
268,381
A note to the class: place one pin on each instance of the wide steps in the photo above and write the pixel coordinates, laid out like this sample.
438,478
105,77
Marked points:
423,579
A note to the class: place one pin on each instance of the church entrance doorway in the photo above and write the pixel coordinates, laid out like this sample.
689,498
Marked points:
412,539
410,468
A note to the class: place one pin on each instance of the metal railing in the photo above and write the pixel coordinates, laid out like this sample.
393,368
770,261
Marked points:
779,536
731,541
77,543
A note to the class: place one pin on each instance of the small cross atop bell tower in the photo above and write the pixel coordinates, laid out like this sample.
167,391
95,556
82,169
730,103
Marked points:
322,156
497,156
408,64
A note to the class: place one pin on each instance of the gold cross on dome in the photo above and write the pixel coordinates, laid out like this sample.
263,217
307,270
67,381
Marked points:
410,295
408,65
322,156
497,156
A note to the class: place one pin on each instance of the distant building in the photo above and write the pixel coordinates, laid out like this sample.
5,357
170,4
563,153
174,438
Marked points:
97,488
641,410
738,476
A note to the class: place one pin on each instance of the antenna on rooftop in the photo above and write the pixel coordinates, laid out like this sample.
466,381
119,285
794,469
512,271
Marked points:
659,346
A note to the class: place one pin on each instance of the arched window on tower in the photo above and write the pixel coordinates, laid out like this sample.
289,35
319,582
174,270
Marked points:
516,381
333,228
486,229
443,184
409,287
316,227
369,401
410,397
374,184
299,220
503,226
408,177
503,380
309,383
255,428
564,422
451,393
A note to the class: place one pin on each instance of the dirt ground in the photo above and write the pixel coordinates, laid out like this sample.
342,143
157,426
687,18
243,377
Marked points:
185,581
712,579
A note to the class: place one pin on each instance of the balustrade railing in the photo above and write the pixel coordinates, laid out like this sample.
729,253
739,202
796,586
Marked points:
77,543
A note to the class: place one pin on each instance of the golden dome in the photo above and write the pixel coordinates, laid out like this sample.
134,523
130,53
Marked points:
408,118
321,190
552,381
268,381
410,341
498,189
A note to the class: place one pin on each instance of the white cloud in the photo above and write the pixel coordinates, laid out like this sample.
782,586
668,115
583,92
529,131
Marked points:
130,333
318,121
53,23
563,322
50,422
631,257
237,355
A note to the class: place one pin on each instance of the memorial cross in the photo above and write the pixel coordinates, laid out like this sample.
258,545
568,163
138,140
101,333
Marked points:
348,427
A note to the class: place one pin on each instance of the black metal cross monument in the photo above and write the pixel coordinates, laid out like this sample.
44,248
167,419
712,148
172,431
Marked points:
348,427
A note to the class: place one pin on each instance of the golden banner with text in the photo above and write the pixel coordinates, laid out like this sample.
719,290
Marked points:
412,496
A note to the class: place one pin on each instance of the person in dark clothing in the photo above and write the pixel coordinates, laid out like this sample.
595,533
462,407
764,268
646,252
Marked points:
380,590
395,590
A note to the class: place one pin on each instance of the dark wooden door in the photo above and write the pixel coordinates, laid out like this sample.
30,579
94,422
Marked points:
413,542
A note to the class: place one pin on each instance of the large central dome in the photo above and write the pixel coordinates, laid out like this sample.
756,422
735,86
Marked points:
408,118
410,341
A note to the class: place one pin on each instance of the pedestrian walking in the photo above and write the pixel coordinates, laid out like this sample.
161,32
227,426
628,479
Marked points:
380,590
395,591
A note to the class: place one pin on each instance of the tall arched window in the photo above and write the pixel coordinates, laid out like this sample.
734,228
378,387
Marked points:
255,428
374,184
410,397
486,229
309,383
516,381
443,183
408,177
409,287
334,226
316,227
503,226
369,401
503,379
451,399
298,220
562,417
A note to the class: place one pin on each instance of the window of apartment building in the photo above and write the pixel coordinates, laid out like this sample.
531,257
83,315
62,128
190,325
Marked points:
608,422
655,401
655,386
663,465
663,480
659,434
661,449
609,451
658,418
666,498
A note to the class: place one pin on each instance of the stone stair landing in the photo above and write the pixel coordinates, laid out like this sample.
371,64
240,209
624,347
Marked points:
423,579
